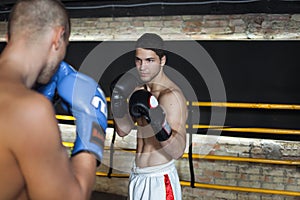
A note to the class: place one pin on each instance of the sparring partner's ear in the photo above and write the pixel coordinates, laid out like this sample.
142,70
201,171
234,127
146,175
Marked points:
59,37
163,60
6,38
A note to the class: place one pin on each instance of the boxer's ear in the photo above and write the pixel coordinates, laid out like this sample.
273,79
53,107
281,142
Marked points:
59,37
6,38
163,60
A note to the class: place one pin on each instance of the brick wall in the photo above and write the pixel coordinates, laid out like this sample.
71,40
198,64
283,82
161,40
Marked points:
251,175
203,27
230,173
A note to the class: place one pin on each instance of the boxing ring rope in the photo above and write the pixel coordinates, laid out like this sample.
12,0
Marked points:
214,186
247,105
220,128
223,158
230,105
219,187
218,157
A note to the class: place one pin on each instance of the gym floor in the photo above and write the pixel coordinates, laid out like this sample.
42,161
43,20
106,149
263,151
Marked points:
106,196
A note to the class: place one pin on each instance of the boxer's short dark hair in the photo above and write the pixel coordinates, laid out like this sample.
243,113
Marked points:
152,42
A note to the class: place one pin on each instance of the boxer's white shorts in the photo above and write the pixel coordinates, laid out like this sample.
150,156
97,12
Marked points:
155,183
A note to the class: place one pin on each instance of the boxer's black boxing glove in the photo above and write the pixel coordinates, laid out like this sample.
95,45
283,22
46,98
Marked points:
143,104
121,88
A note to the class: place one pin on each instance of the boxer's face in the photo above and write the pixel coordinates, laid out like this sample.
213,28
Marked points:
47,73
50,69
52,63
148,64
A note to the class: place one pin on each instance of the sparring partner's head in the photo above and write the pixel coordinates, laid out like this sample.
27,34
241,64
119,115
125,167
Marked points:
149,56
43,25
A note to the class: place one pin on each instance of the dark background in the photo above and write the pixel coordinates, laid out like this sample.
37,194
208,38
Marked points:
252,71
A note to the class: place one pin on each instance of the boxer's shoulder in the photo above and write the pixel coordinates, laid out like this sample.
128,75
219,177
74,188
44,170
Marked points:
26,113
169,94
31,104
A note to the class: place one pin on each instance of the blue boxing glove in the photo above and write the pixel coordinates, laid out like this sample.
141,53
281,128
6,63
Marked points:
82,96
49,89
89,107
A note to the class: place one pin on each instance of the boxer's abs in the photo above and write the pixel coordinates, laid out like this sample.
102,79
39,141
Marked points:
150,153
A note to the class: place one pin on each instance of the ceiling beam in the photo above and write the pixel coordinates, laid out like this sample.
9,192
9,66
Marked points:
122,8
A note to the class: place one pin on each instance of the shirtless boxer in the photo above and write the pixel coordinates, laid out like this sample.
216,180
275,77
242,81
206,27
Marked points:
33,162
158,108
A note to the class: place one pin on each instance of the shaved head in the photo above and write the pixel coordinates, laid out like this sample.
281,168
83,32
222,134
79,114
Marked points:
35,17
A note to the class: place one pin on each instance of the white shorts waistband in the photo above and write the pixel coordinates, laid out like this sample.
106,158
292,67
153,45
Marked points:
159,169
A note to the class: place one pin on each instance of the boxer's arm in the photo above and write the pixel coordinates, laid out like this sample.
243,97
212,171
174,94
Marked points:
43,160
125,127
89,107
121,88
174,105
166,117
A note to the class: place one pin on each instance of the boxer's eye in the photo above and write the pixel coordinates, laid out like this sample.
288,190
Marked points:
138,61
149,60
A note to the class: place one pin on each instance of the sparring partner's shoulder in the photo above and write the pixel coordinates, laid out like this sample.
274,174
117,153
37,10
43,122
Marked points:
37,146
35,121
34,108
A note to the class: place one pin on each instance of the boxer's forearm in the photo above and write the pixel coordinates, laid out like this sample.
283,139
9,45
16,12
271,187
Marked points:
83,164
175,145
123,125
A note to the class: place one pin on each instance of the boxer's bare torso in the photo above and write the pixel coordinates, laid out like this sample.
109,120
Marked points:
12,182
150,152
